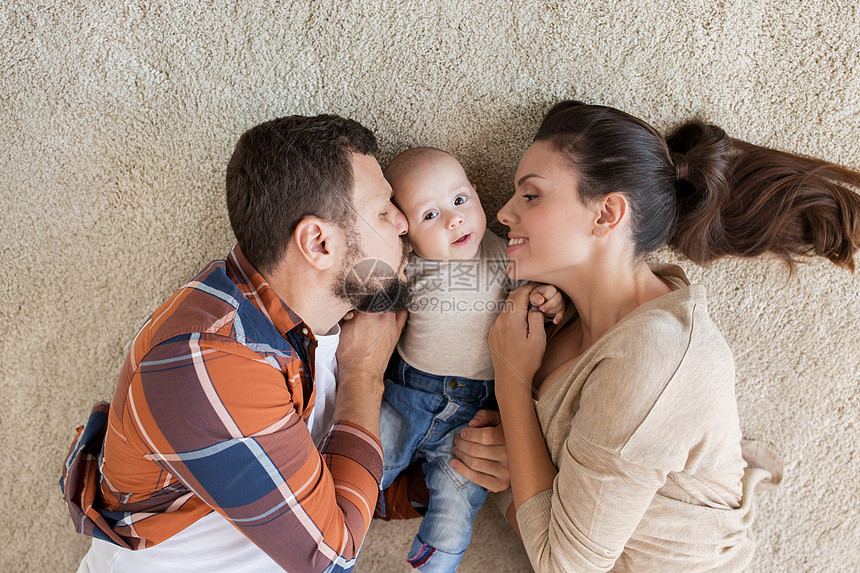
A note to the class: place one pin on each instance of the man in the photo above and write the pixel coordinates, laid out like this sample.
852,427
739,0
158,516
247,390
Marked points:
226,384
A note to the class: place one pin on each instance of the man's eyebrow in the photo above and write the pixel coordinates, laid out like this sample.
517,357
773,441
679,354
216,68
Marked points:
523,179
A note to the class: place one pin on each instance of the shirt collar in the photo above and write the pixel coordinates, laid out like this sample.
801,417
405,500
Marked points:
257,290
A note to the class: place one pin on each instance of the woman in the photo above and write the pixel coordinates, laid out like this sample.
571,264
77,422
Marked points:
630,458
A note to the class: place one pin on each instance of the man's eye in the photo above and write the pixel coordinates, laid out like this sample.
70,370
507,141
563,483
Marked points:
430,215
460,200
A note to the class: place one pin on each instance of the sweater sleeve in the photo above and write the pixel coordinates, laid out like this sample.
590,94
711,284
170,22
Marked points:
603,489
585,520
655,398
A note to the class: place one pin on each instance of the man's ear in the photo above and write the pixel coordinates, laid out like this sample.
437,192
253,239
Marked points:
612,211
314,239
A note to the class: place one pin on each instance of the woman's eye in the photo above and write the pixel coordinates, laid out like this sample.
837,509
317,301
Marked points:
460,200
430,215
529,197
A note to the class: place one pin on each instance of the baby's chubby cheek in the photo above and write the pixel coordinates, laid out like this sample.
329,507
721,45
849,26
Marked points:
418,245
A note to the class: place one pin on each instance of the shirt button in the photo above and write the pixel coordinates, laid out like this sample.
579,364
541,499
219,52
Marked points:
453,384
305,330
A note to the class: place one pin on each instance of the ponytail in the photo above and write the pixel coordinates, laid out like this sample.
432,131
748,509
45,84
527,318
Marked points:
740,199
705,194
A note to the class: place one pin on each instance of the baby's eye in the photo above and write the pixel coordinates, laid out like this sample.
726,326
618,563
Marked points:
460,200
430,215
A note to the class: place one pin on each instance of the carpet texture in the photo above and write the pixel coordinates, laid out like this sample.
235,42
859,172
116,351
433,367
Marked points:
117,120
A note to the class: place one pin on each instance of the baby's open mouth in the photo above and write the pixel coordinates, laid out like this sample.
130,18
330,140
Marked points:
463,239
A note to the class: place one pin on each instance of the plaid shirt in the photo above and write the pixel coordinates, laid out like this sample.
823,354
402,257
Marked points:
209,413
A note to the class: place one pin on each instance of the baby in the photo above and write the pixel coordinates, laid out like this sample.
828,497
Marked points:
442,372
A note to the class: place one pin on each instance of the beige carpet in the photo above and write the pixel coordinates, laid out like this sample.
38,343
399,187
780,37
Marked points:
117,123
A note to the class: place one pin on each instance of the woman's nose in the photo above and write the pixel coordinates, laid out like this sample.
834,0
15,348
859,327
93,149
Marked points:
506,213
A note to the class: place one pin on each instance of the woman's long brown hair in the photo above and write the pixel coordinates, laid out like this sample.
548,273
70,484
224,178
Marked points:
706,194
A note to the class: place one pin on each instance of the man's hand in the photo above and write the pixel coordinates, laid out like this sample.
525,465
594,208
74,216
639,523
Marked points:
366,343
481,454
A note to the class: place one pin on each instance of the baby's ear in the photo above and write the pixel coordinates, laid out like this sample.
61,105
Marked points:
474,188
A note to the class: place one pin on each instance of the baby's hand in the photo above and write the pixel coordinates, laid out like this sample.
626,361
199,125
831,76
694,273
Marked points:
548,300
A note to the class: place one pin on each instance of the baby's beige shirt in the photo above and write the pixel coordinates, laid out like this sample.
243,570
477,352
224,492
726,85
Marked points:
455,303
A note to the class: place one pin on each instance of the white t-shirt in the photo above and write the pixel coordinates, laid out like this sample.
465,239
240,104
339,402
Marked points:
212,544
325,366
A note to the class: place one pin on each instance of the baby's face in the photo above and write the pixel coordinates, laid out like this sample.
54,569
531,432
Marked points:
446,220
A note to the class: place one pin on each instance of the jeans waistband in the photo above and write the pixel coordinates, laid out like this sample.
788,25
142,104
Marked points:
458,386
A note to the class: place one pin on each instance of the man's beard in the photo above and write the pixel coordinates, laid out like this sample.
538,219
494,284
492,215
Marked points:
371,285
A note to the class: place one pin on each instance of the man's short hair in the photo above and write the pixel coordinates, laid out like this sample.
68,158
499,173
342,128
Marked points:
285,170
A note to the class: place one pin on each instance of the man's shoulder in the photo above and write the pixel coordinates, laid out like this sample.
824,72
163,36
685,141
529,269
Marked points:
211,303
207,302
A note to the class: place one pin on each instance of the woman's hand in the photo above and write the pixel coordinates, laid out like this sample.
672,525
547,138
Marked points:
481,454
517,341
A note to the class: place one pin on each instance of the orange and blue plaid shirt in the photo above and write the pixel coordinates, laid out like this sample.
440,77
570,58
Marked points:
210,414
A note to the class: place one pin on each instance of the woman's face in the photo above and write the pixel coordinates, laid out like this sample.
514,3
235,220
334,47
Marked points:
551,229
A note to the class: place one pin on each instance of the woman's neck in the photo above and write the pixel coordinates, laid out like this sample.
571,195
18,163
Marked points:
607,292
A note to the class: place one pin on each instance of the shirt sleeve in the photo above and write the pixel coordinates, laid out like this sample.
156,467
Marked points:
222,420
406,497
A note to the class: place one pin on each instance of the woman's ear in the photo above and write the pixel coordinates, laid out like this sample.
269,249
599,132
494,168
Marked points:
612,211
314,239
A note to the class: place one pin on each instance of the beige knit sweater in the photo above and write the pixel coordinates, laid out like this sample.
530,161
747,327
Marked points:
644,431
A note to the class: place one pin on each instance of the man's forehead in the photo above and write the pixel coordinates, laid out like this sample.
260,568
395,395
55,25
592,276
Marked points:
368,179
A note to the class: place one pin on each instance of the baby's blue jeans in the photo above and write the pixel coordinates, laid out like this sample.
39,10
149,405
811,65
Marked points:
420,415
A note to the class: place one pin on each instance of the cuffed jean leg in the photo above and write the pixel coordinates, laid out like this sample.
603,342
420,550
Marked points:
446,529
405,417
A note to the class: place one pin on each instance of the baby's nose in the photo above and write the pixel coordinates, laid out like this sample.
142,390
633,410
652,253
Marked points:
454,221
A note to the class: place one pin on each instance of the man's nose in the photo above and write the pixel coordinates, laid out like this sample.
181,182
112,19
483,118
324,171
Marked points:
400,222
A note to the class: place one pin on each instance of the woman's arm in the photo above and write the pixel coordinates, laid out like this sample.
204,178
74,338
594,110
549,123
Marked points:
579,517
585,521
484,449
517,340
